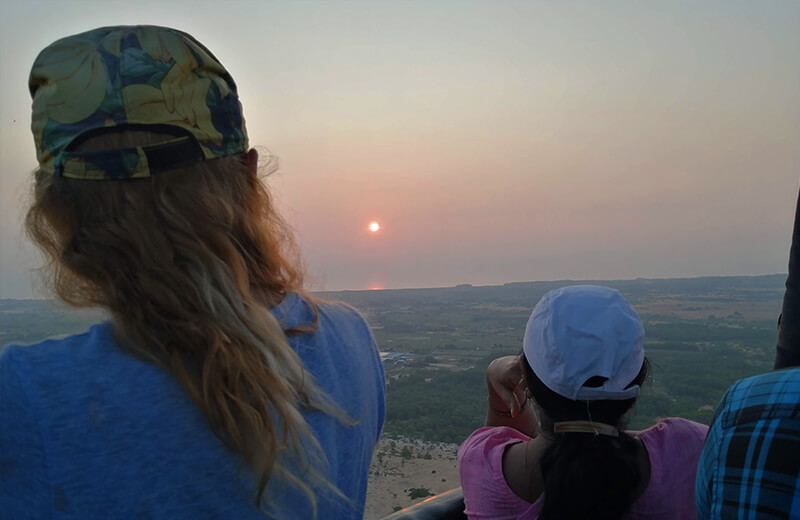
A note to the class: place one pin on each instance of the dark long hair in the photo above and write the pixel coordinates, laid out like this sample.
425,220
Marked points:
587,475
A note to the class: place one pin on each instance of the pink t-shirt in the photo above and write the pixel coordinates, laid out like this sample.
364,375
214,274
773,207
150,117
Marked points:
674,447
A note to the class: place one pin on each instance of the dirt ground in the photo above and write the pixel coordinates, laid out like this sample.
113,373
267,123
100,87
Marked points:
392,475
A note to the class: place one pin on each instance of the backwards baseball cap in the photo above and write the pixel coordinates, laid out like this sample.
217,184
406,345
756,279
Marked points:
141,77
584,331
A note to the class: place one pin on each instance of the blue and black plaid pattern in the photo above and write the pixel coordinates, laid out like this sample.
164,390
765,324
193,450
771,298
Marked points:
750,465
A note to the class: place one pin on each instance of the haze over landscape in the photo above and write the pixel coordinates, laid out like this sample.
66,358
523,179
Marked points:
491,142
701,335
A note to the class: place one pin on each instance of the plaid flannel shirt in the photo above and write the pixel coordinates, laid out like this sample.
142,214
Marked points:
750,465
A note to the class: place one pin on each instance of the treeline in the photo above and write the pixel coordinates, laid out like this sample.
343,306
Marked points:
436,405
446,406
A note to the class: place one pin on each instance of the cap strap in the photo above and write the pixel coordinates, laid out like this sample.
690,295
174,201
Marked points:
586,427
133,162
586,393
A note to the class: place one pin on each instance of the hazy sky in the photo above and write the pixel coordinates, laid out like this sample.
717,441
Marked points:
493,141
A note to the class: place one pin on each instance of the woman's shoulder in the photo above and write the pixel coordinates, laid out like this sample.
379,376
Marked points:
674,441
61,371
480,466
485,446
673,447
56,373
56,353
343,321
339,345
339,309
302,310
494,435
674,431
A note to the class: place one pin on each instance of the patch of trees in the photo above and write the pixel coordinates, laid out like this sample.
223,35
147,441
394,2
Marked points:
447,407
419,492
687,379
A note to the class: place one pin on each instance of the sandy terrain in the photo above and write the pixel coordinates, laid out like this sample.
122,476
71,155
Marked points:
392,475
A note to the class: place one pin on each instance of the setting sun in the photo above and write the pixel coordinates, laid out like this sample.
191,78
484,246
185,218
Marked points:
374,226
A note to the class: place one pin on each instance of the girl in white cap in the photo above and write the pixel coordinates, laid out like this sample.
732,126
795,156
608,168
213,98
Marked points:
554,446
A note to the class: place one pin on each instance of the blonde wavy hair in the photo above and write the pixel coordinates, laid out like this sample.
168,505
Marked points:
188,263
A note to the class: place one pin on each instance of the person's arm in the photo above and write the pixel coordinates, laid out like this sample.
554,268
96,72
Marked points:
787,353
507,403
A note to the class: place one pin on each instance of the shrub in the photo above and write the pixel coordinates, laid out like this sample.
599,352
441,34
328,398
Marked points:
419,493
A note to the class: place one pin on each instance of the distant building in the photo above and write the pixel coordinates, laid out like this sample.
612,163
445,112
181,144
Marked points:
396,358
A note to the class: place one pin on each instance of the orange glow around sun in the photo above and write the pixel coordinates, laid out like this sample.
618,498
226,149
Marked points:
374,226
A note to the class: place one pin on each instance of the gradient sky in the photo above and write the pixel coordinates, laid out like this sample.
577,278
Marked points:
493,141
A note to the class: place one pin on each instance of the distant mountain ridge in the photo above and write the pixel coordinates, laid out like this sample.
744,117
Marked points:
528,293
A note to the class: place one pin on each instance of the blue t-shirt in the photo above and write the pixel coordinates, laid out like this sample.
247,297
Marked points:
87,431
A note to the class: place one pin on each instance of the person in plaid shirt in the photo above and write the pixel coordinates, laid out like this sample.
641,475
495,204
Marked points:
750,465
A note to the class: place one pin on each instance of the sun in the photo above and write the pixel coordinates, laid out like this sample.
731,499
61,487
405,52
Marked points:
374,227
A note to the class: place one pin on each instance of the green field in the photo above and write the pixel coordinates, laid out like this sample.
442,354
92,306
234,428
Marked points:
702,335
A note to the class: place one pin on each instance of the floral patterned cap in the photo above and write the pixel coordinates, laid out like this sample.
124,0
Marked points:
144,77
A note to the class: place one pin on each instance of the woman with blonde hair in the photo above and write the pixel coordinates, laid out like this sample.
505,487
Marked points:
219,388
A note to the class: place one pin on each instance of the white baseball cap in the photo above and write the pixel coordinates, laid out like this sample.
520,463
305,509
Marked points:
579,332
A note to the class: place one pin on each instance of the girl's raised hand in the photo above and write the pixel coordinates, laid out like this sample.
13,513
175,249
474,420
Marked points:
507,392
